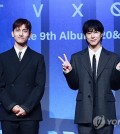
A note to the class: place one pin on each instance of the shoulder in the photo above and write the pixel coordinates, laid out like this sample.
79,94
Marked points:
113,54
36,54
6,53
80,53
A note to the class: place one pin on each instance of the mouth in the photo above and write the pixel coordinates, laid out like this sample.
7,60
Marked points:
93,40
21,38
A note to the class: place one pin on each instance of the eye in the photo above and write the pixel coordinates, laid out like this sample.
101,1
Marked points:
96,31
17,30
25,31
89,32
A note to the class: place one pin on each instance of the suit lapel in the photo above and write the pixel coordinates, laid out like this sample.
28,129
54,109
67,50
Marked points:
86,61
104,58
13,55
14,59
24,62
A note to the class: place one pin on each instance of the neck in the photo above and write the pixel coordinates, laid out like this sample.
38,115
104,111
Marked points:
95,48
20,47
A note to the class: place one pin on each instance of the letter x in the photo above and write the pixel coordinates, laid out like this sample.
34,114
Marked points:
77,10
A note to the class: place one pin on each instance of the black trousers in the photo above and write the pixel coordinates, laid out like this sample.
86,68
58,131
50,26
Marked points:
20,127
89,129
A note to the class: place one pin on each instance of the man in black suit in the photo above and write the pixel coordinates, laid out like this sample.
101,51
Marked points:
91,71
22,84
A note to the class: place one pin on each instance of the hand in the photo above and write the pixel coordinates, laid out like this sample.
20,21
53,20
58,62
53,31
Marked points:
66,65
16,109
118,66
21,112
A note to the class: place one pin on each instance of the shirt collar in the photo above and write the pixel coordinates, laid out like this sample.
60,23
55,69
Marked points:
96,53
23,50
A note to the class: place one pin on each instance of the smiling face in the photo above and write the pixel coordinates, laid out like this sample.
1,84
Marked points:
93,38
21,35
93,31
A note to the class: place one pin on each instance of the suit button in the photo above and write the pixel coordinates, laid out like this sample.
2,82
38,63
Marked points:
89,96
12,85
89,82
27,84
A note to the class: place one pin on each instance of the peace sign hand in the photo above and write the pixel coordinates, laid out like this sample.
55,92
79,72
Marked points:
118,66
66,64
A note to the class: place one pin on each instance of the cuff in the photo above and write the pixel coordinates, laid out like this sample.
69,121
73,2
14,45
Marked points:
118,68
11,106
25,108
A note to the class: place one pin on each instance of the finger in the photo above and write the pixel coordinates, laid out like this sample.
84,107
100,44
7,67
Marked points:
61,59
18,114
17,111
66,67
66,59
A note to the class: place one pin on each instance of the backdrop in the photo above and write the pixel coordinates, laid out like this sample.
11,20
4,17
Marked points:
57,29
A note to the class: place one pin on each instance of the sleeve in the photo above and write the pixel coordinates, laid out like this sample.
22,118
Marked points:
5,99
115,77
72,76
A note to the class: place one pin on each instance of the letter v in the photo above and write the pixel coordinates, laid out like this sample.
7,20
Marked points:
38,13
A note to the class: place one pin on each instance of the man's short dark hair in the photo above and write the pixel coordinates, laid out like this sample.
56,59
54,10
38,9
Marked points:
19,22
91,25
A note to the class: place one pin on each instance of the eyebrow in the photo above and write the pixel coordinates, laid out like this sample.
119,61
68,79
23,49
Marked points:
23,29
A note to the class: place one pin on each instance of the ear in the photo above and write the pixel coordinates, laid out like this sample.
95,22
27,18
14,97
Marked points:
30,34
12,34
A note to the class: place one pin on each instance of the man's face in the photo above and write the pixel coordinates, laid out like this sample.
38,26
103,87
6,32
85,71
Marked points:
93,38
21,35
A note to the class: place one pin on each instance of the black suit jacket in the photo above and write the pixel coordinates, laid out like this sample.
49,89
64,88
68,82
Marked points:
89,105
21,83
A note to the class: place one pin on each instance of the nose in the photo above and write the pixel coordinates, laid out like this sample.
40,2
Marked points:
20,33
92,34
